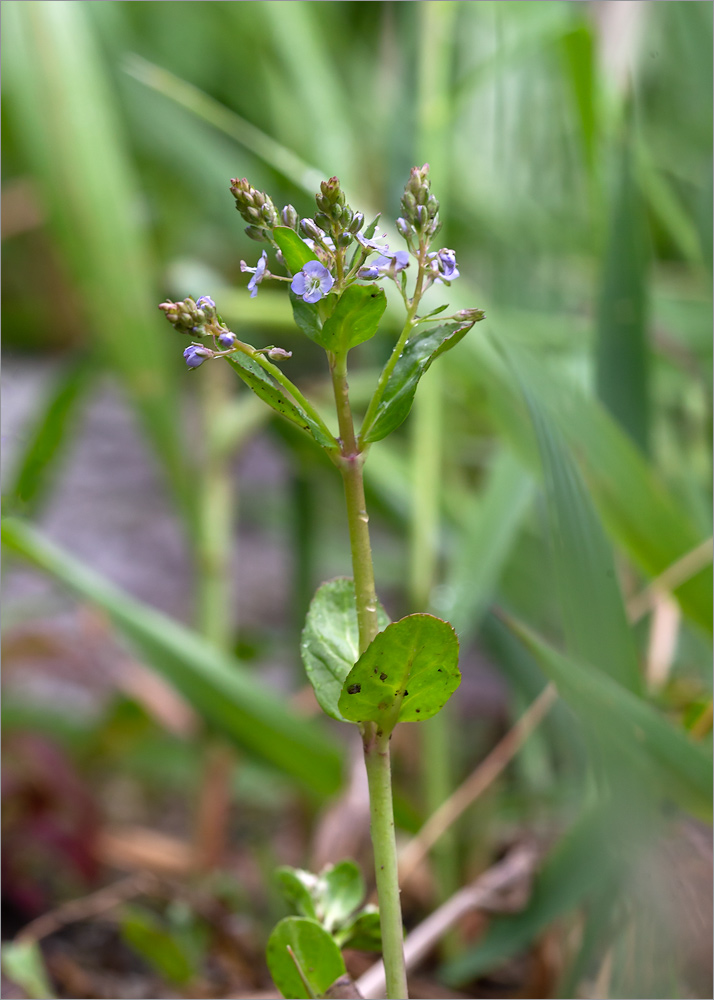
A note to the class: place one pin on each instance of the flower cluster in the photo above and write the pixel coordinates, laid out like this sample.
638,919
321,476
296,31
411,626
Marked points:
190,316
328,235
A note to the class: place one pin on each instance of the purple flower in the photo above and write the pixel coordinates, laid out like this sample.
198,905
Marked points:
390,263
205,302
312,282
226,339
258,273
195,355
373,244
445,261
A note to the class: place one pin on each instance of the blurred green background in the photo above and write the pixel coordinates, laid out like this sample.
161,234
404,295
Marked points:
557,465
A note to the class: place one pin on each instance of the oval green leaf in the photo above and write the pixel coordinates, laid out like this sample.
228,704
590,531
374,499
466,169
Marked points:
355,318
406,674
317,954
295,251
417,356
330,641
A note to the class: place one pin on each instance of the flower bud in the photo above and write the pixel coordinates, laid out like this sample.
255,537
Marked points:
258,234
344,239
311,229
403,228
472,315
357,222
226,339
278,354
289,217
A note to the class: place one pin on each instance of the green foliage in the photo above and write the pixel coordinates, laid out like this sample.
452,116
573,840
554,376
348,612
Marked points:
314,954
330,641
418,354
656,754
146,933
355,318
295,251
332,899
22,962
266,389
226,695
406,674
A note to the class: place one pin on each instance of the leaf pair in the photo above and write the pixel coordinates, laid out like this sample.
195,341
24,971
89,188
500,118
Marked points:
303,952
332,898
406,674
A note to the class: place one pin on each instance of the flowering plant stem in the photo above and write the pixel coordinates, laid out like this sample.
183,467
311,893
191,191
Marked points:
376,743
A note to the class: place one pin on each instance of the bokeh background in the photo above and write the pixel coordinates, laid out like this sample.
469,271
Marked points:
160,746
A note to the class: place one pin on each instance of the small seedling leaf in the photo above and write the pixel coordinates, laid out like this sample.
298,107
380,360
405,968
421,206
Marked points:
298,888
418,354
344,891
148,936
318,956
330,641
364,932
355,319
406,674
295,251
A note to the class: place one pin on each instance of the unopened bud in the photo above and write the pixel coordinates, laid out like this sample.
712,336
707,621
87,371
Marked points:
278,354
289,217
311,229
357,222
257,233
344,239
471,315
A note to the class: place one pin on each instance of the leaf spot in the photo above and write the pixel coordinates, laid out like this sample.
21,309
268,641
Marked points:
354,689
382,677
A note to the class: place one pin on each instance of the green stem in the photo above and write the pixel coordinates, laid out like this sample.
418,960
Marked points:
409,324
376,744
379,778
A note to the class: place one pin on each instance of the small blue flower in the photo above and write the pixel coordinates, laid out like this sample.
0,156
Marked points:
258,272
195,355
391,263
226,339
447,264
312,282
373,244
205,302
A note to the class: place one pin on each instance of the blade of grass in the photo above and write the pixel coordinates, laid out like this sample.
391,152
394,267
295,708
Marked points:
213,683
67,123
594,617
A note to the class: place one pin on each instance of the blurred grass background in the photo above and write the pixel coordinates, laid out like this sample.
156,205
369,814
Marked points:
558,466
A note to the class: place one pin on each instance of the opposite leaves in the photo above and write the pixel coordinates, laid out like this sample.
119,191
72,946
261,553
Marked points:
330,641
406,674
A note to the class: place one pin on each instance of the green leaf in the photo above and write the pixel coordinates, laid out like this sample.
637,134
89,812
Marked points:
344,890
594,615
307,318
77,153
355,318
417,356
295,251
263,386
37,464
216,685
317,954
23,964
330,641
627,727
364,933
622,343
145,933
406,674
298,888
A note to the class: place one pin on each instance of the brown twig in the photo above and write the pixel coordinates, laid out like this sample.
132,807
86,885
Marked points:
477,783
674,576
504,888
86,907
